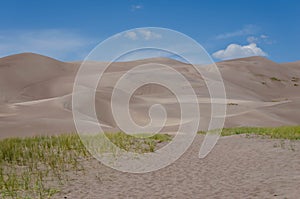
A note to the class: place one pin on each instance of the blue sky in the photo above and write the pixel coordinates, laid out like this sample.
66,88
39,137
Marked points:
68,30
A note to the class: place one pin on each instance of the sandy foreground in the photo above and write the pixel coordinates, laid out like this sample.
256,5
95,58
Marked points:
238,167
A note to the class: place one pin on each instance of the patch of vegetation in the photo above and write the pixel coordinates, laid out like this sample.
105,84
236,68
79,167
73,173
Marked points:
295,79
36,167
279,100
275,79
140,143
259,75
232,104
284,132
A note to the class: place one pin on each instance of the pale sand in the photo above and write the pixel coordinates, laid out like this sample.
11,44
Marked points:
238,167
35,94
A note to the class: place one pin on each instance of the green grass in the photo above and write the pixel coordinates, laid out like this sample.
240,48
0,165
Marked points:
232,104
140,143
284,132
275,79
36,167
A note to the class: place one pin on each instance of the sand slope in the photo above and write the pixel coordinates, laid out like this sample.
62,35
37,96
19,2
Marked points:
35,94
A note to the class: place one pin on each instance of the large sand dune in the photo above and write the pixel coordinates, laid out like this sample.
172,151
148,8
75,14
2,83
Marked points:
36,94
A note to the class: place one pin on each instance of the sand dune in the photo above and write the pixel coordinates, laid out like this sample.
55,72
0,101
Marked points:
35,93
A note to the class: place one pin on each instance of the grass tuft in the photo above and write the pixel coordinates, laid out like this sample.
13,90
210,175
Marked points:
275,79
284,132
35,167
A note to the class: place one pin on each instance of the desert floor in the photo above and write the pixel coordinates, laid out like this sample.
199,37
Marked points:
238,167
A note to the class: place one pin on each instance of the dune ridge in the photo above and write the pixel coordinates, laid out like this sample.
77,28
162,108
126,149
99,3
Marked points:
36,94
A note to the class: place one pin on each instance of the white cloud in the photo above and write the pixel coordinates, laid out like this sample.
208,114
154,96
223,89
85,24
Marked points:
266,39
142,34
264,36
56,43
252,39
147,34
233,51
247,30
136,7
260,39
131,35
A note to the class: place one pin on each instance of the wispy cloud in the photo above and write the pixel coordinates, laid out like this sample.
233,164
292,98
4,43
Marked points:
142,34
57,43
148,34
233,51
260,39
247,30
131,35
136,7
252,39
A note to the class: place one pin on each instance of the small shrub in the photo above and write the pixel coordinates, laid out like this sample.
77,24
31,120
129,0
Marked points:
232,104
295,79
275,79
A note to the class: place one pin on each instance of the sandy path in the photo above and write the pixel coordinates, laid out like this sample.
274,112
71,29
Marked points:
238,167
